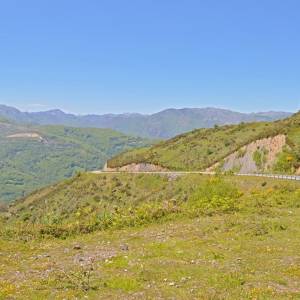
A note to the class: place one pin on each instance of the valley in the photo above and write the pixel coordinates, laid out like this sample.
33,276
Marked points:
33,156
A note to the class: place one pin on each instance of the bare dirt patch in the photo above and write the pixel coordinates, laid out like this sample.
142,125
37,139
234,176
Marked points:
26,135
140,167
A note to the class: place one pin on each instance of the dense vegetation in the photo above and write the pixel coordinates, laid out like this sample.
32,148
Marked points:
153,236
202,148
52,154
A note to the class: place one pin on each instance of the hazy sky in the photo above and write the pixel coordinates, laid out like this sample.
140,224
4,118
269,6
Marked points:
97,56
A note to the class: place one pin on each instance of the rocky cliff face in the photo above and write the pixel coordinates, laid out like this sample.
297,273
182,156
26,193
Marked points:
255,157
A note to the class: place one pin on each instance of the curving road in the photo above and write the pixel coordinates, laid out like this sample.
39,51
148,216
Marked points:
276,176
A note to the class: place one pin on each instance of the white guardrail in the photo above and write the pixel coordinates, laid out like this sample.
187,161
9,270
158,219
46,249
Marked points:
277,176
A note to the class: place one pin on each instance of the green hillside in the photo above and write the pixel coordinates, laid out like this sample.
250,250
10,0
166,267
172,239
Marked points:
143,236
202,148
85,201
32,157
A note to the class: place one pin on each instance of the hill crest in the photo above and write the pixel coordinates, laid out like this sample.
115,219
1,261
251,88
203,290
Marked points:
203,148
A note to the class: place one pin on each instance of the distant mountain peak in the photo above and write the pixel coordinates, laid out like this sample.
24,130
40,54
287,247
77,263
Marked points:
54,112
7,108
164,124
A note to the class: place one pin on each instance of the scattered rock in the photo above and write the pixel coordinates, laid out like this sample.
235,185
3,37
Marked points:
173,176
124,247
40,256
77,247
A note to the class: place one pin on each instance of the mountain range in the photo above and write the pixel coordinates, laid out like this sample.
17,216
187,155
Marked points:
162,125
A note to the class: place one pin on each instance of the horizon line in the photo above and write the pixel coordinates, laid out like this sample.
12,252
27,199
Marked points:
22,110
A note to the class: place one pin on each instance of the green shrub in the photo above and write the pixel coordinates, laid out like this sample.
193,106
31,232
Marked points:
241,152
285,162
215,196
259,157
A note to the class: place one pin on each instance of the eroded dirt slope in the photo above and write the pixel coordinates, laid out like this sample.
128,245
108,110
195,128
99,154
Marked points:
255,157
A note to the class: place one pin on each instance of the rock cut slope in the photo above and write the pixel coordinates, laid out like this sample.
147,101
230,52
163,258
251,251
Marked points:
258,156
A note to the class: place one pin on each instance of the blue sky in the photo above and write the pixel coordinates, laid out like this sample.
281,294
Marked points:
98,56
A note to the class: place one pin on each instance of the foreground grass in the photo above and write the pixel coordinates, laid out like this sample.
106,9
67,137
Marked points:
218,257
209,247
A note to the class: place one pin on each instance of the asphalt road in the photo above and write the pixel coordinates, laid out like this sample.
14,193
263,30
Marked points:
276,176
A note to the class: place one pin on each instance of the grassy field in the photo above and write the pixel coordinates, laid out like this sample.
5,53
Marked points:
189,237
202,148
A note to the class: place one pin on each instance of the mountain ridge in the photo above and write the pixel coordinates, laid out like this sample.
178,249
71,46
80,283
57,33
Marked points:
160,125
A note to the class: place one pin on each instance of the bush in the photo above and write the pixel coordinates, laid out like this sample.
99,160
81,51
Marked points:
285,162
215,196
